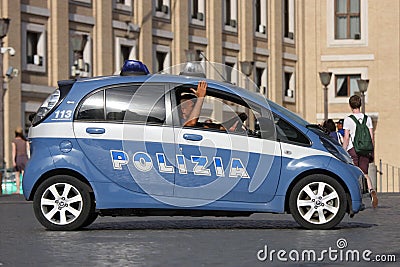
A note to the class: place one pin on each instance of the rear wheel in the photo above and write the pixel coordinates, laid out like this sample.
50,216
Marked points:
318,202
63,202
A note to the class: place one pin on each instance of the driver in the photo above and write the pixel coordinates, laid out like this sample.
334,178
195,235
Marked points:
191,104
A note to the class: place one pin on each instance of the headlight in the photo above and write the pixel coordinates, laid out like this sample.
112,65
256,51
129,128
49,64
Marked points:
47,106
336,150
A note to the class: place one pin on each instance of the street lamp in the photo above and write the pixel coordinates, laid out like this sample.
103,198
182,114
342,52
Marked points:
325,78
4,23
78,42
363,87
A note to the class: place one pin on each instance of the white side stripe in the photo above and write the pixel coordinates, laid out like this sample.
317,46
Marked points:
160,134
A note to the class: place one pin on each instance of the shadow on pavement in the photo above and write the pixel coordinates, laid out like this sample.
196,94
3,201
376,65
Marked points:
210,224
13,199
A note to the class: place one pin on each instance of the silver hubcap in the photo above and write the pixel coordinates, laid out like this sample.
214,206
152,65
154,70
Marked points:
61,203
318,203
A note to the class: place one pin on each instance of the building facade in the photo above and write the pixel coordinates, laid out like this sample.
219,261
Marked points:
289,42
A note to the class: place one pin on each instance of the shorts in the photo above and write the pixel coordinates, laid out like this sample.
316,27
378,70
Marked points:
361,161
20,163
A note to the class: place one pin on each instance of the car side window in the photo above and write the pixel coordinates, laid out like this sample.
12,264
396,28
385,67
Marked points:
131,104
225,113
136,104
287,133
117,103
92,109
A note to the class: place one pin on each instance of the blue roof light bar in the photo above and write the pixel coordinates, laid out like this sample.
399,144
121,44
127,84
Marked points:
134,67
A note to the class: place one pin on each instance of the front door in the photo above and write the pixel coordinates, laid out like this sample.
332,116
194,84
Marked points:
226,156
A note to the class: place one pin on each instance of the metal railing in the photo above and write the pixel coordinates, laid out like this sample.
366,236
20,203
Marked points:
388,179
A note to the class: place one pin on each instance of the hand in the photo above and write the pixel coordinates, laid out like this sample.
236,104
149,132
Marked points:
234,127
201,89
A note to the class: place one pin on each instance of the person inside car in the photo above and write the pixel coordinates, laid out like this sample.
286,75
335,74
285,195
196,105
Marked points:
191,104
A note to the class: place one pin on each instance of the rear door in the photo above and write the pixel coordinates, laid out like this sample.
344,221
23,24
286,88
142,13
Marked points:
123,131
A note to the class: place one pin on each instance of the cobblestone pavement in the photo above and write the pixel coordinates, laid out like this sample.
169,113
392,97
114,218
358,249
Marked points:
205,241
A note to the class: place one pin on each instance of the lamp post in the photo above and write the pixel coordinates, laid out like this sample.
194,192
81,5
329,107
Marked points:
78,42
363,87
247,68
4,23
325,78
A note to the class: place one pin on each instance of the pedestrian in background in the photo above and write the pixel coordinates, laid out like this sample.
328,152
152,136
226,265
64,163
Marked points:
20,155
330,126
340,130
362,161
339,125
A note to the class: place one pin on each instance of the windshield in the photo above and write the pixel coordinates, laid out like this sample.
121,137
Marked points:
288,113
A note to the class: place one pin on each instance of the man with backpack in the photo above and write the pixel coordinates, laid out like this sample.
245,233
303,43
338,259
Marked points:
358,141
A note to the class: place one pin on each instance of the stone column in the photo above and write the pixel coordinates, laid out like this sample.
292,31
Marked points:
180,28
275,42
103,40
145,16
12,96
58,42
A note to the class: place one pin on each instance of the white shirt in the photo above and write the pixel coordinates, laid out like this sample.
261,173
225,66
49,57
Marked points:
350,125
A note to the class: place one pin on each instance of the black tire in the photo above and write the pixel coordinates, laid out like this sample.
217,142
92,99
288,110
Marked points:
318,202
92,217
63,203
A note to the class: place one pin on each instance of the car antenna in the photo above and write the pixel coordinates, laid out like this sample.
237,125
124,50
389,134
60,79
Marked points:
219,73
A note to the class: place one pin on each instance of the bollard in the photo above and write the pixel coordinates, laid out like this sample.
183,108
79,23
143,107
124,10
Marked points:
372,173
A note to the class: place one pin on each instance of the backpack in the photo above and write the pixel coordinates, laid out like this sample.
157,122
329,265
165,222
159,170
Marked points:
362,139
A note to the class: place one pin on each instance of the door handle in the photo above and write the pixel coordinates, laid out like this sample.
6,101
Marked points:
95,130
193,137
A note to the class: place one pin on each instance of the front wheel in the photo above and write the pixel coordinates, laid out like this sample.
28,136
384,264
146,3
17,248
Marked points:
63,203
318,202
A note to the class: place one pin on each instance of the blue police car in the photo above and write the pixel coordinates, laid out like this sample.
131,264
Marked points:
122,145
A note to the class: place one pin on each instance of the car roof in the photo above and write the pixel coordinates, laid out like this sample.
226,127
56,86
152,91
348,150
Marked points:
90,84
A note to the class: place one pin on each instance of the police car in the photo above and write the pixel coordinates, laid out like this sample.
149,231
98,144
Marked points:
118,145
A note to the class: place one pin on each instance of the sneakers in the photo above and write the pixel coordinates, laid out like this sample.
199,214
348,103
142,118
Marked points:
374,198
